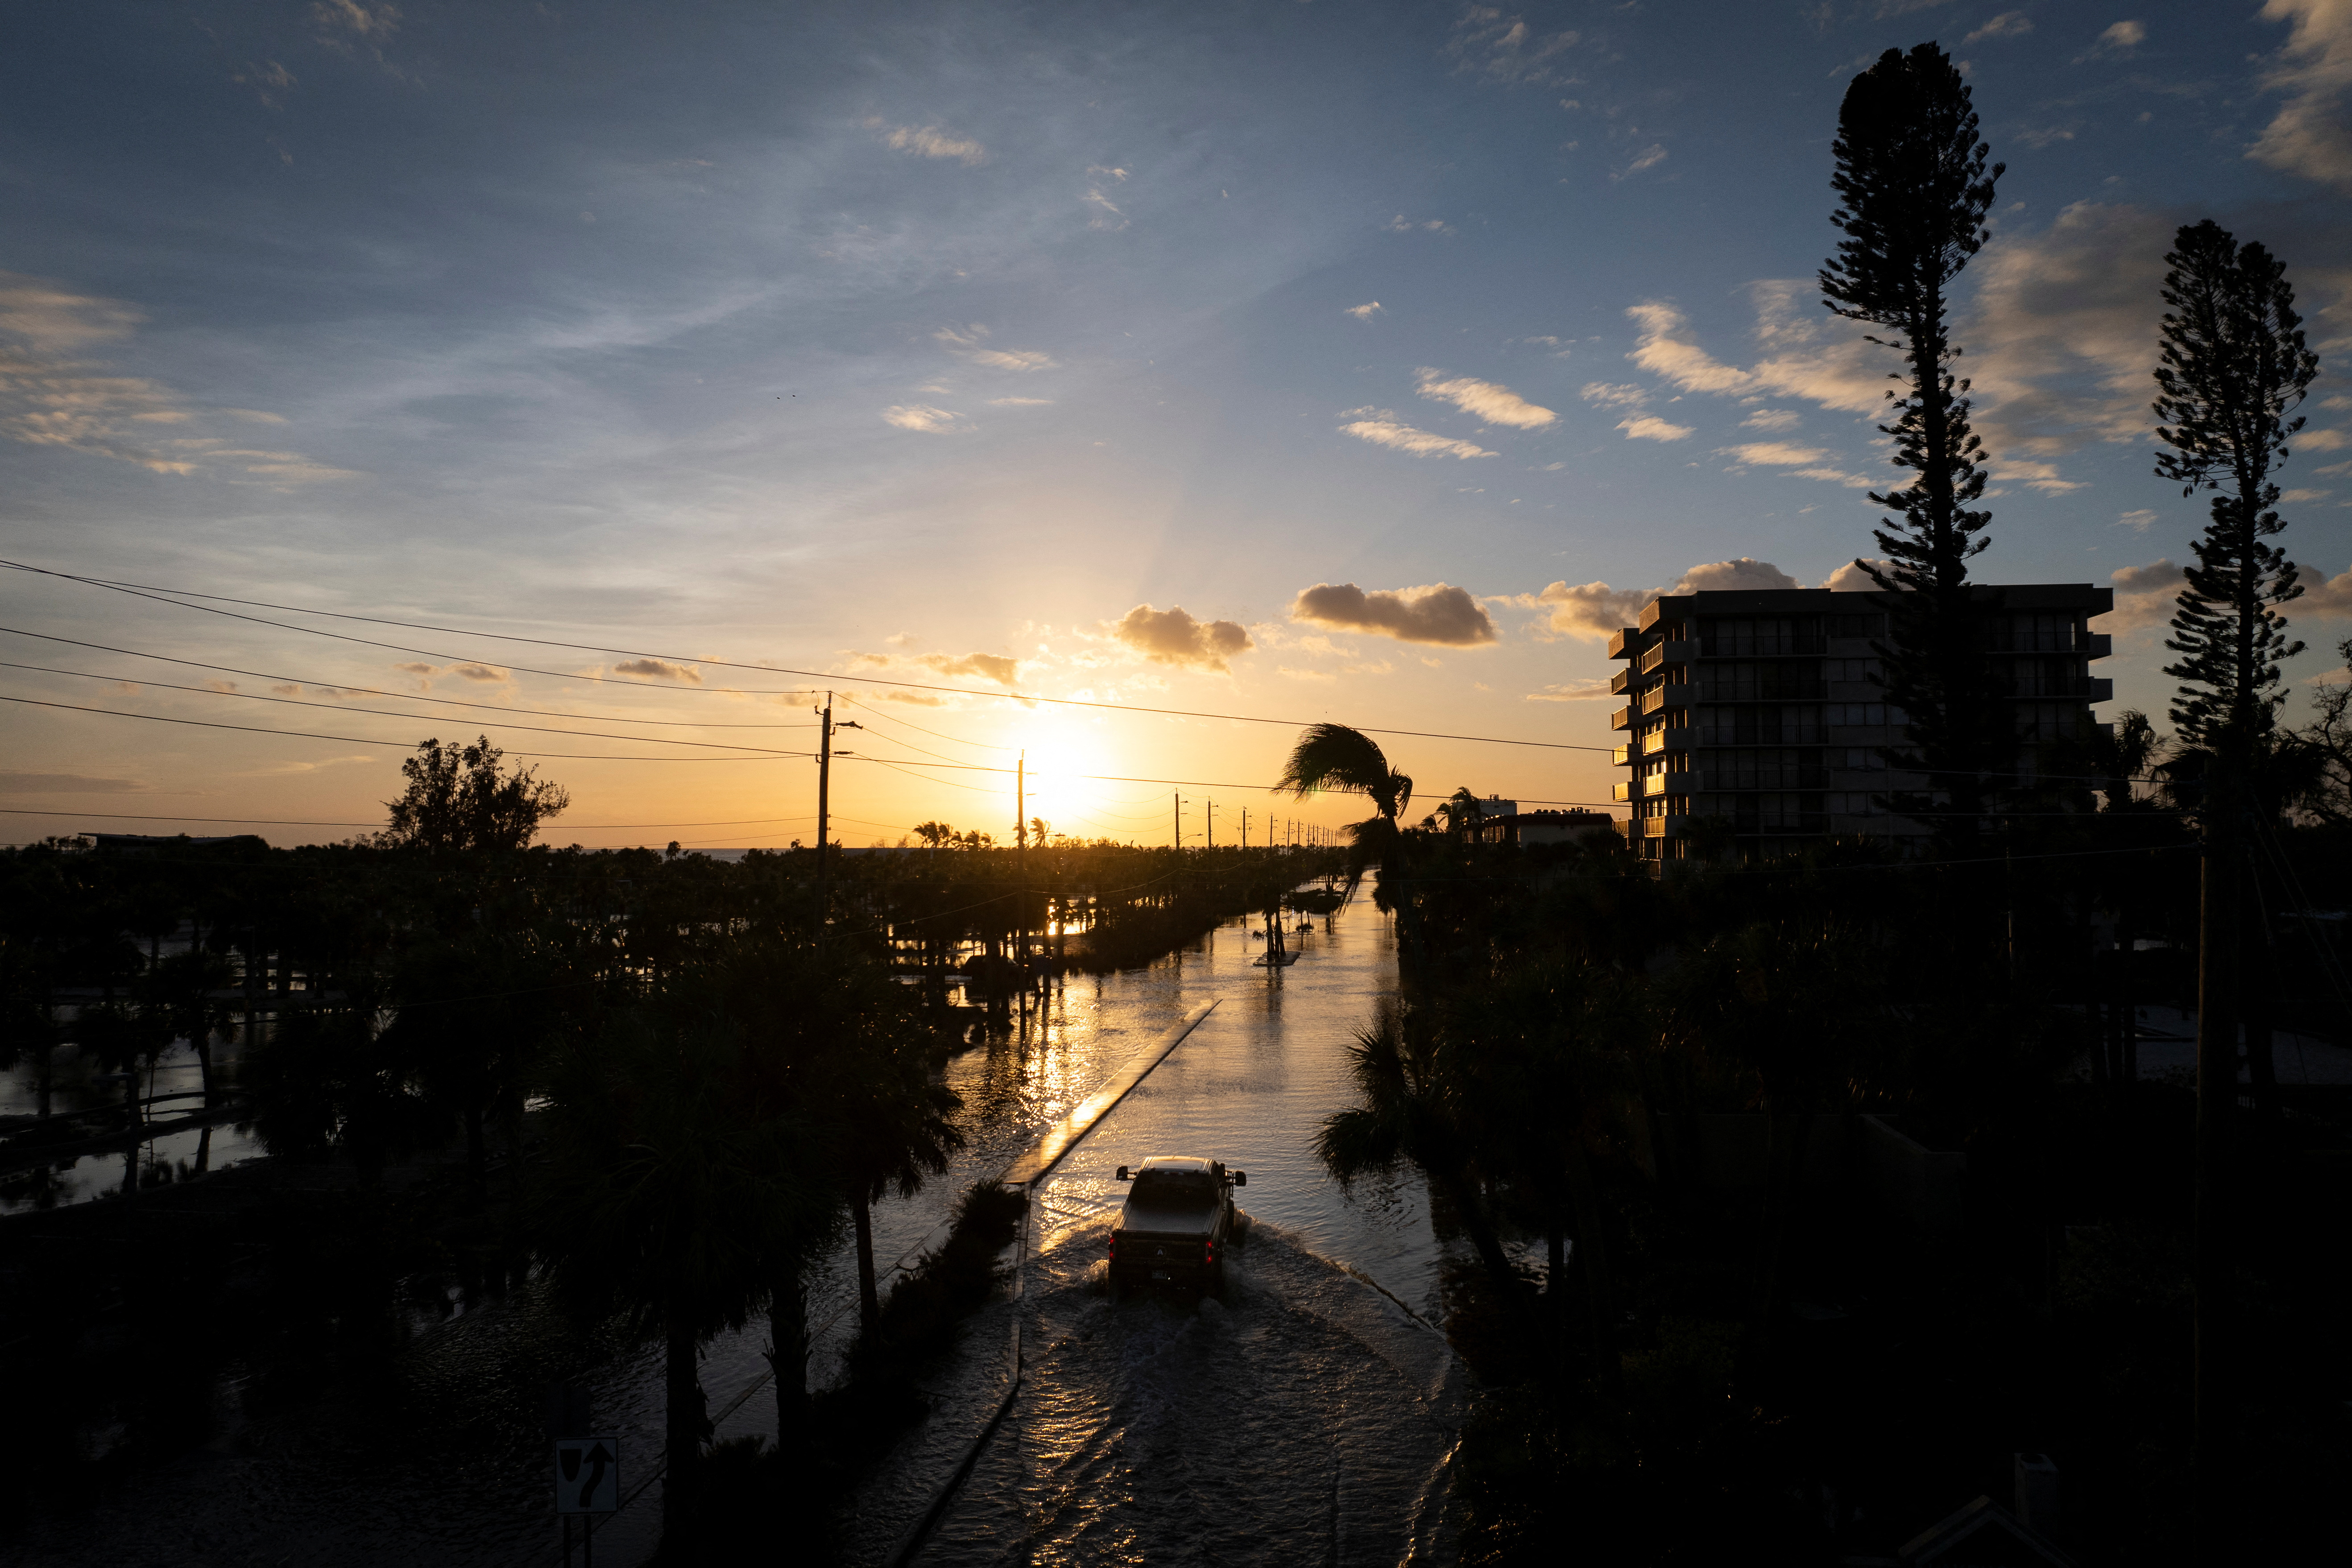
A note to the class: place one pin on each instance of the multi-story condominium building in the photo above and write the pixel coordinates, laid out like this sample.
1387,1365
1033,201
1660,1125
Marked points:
1760,707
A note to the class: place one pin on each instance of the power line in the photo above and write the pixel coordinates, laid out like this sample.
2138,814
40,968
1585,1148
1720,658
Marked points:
164,595
379,741
341,689
381,714
291,822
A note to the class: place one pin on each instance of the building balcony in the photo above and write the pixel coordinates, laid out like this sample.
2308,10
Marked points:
2102,646
1672,739
1621,755
1621,680
1621,720
1668,653
1786,691
1623,790
1657,826
1659,696
1619,640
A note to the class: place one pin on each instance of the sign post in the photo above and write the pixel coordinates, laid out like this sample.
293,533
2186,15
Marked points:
587,1481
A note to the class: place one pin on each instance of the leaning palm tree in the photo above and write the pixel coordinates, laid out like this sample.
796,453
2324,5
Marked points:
1335,757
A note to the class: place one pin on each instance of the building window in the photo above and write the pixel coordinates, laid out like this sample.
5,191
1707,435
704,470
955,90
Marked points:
1734,636
1759,726
1875,715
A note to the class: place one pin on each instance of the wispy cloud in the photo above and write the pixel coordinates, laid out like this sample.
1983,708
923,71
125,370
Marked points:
1504,48
1366,311
1773,419
1382,427
49,398
2137,521
1649,157
2311,134
1616,394
930,141
1482,400
15,782
996,667
1587,690
1650,427
2120,39
660,669
2008,24
924,418
970,343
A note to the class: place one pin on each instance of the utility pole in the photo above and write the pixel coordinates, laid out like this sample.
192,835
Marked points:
1021,857
1212,824
825,812
1179,821
1246,827
2217,1093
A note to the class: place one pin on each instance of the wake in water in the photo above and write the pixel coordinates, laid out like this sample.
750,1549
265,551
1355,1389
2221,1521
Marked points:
1303,1418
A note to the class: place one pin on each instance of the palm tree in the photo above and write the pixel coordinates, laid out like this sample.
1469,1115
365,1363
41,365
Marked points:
1413,1109
1335,757
667,1188
1461,812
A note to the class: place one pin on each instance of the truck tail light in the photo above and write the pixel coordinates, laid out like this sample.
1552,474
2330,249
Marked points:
1208,1252
1114,1247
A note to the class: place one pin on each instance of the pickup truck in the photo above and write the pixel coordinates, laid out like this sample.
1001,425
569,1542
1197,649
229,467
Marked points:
1177,1224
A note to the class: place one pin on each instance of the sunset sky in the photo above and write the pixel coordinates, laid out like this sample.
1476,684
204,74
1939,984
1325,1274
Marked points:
1291,361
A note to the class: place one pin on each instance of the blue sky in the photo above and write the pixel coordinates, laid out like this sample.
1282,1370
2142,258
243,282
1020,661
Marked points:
907,341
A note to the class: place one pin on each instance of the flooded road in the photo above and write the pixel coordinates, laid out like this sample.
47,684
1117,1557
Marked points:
1306,1418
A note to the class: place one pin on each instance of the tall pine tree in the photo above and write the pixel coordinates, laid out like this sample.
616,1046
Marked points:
1915,185
2235,367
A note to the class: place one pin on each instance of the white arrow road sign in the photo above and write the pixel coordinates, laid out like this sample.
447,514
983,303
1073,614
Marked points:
587,1474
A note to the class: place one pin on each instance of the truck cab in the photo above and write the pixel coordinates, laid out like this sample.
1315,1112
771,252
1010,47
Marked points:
1177,1224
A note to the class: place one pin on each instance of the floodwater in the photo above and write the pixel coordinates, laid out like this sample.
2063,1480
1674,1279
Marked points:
1308,1416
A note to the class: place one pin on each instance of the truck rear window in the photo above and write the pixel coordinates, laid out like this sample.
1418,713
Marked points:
1162,1190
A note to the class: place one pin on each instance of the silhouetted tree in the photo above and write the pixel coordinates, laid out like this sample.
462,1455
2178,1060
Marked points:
458,799
1915,185
2235,366
2328,736
1335,757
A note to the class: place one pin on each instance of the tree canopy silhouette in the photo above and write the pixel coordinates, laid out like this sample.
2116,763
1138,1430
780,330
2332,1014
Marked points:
2235,367
1915,188
458,799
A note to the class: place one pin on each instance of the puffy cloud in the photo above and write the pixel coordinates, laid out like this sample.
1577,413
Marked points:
923,417
2326,598
2311,134
1850,578
930,141
1173,636
1384,428
1438,612
2120,38
1365,312
1484,400
1650,427
1597,610
2144,595
2008,24
1744,573
660,669
1574,691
